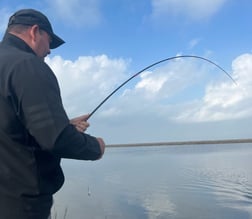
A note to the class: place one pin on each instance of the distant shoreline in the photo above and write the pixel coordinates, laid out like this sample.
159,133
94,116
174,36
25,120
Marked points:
173,143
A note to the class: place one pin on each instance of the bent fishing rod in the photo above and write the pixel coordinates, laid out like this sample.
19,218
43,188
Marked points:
156,63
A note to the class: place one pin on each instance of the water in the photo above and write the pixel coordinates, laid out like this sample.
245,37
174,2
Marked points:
173,182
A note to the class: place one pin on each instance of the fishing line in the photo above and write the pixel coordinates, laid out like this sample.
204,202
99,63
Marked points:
156,63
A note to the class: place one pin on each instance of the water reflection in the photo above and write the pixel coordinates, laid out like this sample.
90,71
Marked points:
180,182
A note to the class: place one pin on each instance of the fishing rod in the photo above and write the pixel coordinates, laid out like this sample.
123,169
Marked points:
156,63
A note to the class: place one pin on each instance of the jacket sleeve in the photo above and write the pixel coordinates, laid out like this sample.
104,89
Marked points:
85,147
40,109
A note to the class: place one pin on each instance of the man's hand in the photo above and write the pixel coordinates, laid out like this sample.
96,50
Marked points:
80,123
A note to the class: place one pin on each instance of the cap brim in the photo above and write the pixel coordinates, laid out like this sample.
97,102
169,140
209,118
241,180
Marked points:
56,41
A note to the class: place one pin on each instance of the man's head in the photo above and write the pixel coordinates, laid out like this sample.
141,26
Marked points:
36,27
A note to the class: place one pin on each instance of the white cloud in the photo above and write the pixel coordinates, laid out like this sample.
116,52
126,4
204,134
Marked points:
177,97
77,12
193,43
225,100
87,80
152,85
173,88
194,9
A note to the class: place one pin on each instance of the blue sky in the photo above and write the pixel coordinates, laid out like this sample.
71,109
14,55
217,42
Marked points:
108,41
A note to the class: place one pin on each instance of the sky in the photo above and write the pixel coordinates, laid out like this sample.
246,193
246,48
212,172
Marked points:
184,99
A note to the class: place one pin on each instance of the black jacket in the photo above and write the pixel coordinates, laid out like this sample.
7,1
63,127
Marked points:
35,133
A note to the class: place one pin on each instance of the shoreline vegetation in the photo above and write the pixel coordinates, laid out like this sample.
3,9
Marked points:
174,143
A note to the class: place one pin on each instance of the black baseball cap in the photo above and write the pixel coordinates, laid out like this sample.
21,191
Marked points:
32,17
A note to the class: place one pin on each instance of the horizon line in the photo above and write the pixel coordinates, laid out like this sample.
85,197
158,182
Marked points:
191,142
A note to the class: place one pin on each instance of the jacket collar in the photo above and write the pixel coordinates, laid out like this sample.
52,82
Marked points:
12,40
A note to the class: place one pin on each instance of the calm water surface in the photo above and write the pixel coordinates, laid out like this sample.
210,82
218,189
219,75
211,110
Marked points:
173,182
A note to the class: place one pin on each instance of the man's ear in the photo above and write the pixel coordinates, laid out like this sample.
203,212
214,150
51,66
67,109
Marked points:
33,33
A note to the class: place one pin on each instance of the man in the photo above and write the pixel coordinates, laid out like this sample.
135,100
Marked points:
35,132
